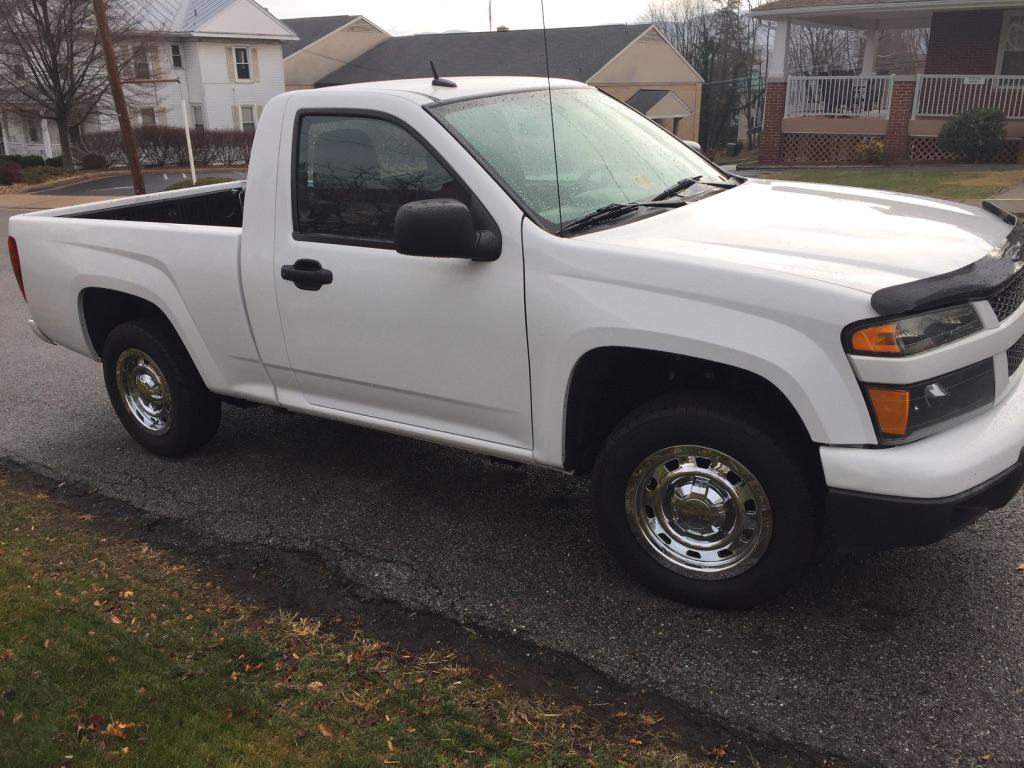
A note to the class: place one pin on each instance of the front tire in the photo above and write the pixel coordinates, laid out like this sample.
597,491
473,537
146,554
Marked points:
706,501
155,389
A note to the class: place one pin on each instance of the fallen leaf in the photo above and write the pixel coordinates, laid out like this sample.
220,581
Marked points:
115,619
234,676
410,730
324,731
46,643
97,603
1020,567
117,729
126,594
391,746
141,691
7,655
715,752
989,757
316,685
636,742
17,717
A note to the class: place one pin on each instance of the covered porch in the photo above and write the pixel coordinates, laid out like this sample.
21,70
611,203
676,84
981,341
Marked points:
974,57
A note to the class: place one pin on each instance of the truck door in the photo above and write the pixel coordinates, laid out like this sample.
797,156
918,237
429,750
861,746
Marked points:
438,343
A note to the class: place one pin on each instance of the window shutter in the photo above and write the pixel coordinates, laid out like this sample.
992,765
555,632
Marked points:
161,116
153,54
236,114
232,71
255,64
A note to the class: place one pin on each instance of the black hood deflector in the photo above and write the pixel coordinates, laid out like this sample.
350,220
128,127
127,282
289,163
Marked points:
975,282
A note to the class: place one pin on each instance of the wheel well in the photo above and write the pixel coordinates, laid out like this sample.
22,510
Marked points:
103,310
610,382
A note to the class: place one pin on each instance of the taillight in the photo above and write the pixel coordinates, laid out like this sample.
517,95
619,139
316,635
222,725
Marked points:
12,246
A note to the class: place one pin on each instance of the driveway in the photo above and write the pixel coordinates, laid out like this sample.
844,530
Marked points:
907,658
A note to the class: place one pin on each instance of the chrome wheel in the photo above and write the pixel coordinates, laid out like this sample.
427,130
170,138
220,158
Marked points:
144,391
699,512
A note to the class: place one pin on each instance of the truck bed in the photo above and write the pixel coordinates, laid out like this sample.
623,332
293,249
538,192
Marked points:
220,207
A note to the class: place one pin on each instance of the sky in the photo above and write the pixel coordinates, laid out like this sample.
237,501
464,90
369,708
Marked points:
408,17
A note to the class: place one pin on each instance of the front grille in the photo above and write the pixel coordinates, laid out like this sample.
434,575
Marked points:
1006,302
1015,355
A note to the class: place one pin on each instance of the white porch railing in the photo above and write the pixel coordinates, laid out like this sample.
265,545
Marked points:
846,96
948,95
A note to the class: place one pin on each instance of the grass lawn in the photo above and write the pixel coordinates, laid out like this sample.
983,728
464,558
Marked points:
111,654
945,183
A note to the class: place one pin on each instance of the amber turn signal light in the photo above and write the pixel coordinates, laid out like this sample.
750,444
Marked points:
877,340
892,409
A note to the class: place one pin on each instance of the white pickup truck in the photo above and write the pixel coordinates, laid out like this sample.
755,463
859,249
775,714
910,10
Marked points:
739,364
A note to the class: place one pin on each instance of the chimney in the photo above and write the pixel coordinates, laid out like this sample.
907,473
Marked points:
503,28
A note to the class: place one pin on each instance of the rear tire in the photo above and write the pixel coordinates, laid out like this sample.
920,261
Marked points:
706,501
155,389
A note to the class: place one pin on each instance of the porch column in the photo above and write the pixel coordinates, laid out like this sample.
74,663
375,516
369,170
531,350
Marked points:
778,62
870,49
897,135
770,146
47,147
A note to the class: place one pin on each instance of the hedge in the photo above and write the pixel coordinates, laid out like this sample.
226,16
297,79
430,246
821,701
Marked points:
160,145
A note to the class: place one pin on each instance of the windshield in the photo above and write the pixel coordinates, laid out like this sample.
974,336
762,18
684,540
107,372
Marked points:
607,153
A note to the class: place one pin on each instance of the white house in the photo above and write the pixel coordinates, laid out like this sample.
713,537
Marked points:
220,61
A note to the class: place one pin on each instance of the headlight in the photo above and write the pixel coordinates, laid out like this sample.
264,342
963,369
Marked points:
902,414
905,336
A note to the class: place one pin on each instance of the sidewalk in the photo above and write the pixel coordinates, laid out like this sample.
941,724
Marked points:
1010,200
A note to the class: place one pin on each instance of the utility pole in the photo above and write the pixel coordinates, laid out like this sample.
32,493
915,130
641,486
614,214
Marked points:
132,155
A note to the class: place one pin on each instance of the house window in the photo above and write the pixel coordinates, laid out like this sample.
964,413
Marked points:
147,116
176,57
354,173
198,120
1012,63
242,69
141,62
248,113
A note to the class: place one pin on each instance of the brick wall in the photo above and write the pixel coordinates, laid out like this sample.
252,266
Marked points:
897,136
964,43
770,144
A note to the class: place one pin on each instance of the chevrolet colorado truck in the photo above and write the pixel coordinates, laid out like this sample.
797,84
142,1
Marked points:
533,271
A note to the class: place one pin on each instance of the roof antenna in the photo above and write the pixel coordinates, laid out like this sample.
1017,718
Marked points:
551,108
440,82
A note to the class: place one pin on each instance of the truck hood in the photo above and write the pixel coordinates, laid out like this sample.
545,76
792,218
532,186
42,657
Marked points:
857,238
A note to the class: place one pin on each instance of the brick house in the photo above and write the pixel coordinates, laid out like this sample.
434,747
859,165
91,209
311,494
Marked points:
975,58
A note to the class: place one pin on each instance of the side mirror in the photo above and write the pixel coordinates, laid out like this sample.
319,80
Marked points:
443,228
695,146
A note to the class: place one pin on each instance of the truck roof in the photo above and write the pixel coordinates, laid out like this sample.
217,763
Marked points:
465,87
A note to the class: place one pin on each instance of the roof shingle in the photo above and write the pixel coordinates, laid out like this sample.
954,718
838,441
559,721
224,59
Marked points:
311,29
576,53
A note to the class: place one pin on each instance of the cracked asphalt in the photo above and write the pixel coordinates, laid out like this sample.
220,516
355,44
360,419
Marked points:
906,658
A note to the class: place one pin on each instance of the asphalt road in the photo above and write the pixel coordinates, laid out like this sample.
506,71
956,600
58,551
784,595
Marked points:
156,181
909,658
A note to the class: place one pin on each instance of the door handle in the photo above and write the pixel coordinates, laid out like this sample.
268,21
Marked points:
307,275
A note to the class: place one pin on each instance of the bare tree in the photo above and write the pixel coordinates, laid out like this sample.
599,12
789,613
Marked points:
819,51
51,60
719,41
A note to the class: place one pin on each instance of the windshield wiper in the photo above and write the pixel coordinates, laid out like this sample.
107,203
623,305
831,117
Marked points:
685,184
613,211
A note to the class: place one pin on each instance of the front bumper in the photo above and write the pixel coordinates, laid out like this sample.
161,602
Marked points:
921,492
862,522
